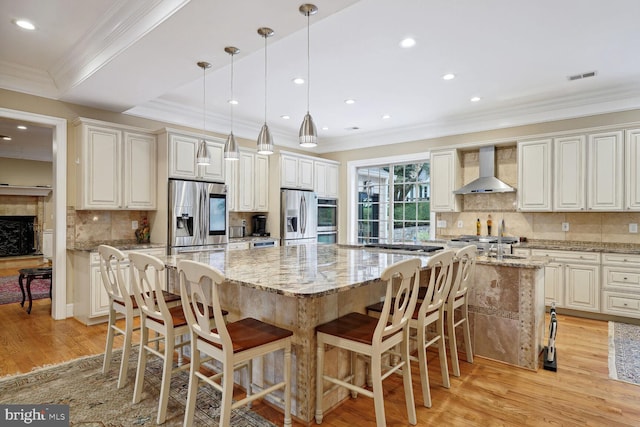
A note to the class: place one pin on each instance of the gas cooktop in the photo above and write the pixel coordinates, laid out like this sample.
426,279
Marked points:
401,247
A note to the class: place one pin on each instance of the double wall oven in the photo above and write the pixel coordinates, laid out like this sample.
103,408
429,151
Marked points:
327,221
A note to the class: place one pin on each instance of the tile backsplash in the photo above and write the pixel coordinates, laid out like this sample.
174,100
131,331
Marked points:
91,226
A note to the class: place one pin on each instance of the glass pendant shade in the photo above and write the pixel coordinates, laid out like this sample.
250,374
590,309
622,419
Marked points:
308,136
265,142
231,150
202,156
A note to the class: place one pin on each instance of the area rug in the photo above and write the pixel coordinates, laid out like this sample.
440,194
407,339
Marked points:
624,352
94,400
10,290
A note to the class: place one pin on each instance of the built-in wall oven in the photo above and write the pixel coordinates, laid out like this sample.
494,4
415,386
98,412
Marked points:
327,221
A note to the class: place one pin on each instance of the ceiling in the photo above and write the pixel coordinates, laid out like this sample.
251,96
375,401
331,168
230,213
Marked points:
140,57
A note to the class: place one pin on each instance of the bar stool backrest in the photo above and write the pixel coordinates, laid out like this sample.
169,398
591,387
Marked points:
112,272
148,290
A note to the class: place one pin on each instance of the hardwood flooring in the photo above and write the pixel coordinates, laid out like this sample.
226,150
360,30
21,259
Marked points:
487,393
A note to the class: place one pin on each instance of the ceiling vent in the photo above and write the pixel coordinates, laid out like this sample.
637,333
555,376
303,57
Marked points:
582,76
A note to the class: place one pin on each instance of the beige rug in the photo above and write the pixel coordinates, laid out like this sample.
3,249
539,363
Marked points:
624,352
94,400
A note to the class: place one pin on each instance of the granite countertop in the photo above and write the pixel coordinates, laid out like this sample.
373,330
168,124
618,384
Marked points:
562,245
253,239
123,245
313,270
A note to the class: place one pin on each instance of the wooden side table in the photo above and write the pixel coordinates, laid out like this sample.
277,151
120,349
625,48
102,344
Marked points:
30,274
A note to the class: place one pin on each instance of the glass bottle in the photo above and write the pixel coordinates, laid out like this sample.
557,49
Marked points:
478,225
489,225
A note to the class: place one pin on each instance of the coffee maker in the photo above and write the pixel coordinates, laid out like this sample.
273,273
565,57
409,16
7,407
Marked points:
260,225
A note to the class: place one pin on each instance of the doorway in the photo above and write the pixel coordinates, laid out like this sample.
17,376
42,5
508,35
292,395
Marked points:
59,187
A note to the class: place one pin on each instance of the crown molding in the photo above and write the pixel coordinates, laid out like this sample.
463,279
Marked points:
32,81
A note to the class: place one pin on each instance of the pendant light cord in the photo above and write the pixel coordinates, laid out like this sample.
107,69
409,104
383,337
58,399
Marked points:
231,101
265,78
204,101
308,62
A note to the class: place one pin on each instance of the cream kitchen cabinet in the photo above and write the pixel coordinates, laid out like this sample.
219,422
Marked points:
91,302
116,167
534,176
248,183
446,177
605,173
325,179
621,284
182,159
296,172
572,279
632,169
570,157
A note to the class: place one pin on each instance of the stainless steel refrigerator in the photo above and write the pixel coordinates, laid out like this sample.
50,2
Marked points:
198,216
299,222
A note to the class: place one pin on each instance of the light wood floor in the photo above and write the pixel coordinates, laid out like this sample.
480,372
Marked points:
486,394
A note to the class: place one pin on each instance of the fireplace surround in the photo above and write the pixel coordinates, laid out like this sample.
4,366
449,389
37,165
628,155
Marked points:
17,235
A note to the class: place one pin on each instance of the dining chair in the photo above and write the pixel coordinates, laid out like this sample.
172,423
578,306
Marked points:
458,301
121,302
233,345
372,338
147,274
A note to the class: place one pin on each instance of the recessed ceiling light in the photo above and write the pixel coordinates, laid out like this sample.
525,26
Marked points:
298,81
449,76
386,116
22,127
23,23
349,101
475,99
325,128
5,137
408,42
285,117
233,101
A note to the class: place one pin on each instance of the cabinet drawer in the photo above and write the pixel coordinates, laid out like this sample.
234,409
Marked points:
522,252
622,304
237,246
620,276
569,256
621,259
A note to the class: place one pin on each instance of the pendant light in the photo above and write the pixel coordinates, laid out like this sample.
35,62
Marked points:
265,142
202,156
308,136
231,151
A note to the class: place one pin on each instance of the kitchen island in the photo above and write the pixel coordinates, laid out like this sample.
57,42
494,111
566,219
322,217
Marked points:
300,287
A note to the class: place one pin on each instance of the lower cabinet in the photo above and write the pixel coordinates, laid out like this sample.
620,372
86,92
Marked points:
572,279
621,284
91,302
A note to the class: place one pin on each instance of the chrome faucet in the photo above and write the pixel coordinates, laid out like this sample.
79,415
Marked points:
500,247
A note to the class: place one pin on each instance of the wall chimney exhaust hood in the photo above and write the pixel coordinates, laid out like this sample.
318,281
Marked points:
487,182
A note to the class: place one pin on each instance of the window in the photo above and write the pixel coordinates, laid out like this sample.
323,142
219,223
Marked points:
393,203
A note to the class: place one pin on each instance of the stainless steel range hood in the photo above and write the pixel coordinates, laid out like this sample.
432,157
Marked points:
487,182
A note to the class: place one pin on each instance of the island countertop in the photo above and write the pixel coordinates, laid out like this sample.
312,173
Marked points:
306,271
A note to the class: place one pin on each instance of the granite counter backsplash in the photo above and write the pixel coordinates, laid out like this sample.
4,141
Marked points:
123,245
563,245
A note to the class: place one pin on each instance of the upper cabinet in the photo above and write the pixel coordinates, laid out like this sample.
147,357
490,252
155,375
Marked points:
605,173
446,170
632,165
326,179
534,175
248,182
116,167
182,159
296,172
569,173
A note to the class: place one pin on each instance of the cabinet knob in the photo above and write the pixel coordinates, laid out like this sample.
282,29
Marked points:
624,278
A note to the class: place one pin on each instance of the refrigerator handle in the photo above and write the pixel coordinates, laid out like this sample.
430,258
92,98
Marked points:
303,214
204,214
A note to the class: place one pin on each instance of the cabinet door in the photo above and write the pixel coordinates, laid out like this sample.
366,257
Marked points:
261,186
99,300
288,171
445,168
305,174
214,171
182,156
231,179
331,181
139,171
553,284
582,283
245,182
101,168
632,174
534,175
605,172
320,178
569,173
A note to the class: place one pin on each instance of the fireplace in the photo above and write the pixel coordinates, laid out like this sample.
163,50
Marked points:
17,235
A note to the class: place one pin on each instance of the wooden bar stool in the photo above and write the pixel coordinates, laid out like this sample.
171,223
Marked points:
370,337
